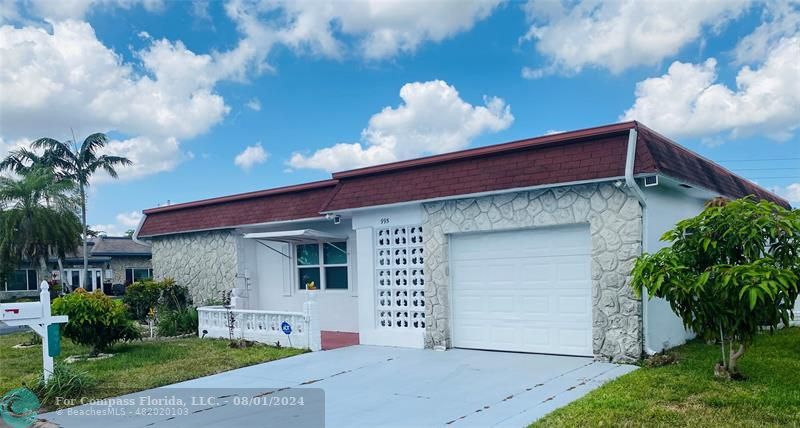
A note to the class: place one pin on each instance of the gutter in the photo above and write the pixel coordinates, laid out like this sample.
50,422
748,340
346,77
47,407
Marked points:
630,182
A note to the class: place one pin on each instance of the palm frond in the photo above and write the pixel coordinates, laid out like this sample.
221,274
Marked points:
91,145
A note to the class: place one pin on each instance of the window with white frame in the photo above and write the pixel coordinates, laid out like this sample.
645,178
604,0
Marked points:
322,266
22,280
137,274
400,277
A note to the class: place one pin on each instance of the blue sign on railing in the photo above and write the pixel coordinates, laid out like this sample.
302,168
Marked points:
286,327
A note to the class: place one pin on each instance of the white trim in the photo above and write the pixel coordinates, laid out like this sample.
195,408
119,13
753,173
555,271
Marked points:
134,268
135,236
321,265
296,236
27,282
480,194
239,226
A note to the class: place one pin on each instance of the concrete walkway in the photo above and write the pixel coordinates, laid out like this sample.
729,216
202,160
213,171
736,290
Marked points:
366,386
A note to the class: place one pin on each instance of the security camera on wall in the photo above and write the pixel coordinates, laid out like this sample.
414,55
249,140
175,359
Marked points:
337,219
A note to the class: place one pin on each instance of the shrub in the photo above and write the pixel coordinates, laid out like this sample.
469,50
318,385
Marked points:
95,320
65,381
141,296
730,271
173,296
180,321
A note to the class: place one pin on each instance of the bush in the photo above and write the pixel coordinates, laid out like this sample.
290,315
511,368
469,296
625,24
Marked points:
165,295
173,296
65,381
141,296
95,320
180,321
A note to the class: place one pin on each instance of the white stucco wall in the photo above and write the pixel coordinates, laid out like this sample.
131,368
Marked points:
665,207
364,224
273,278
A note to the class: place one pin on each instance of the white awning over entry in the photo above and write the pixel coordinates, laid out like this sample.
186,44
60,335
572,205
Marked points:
296,236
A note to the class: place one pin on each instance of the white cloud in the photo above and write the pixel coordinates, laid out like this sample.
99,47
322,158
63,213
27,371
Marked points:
149,156
253,104
432,119
50,83
124,222
76,9
375,29
687,101
617,35
130,219
251,156
780,20
792,193
53,81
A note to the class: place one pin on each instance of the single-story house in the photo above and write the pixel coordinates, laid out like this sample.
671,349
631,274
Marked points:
112,260
524,246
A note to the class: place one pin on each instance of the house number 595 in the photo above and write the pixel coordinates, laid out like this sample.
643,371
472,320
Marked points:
385,220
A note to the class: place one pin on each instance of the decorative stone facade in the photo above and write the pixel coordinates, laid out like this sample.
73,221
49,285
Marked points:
206,262
119,264
615,222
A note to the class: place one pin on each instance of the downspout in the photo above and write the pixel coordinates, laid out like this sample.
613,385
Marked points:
630,182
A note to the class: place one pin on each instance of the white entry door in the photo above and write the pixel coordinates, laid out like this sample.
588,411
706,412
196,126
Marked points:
525,290
74,277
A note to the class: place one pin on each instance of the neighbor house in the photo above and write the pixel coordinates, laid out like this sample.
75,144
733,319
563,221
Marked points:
112,260
524,246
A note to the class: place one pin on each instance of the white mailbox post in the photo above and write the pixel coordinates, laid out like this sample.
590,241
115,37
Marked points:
37,316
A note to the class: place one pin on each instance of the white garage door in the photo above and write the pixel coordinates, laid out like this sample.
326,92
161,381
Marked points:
526,290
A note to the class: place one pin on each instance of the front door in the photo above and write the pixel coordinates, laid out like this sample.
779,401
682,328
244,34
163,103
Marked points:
75,279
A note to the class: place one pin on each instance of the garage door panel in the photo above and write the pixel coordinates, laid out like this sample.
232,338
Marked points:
527,291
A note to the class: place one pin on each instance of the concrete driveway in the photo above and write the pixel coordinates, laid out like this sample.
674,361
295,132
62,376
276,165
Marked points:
368,386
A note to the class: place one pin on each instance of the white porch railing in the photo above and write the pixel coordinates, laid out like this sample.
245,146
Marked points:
263,326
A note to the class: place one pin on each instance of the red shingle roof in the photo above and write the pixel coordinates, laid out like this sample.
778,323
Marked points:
588,154
284,203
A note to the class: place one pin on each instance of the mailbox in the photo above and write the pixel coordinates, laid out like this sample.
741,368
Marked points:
20,311
53,340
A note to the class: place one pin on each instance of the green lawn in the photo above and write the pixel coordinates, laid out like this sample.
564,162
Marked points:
686,394
137,365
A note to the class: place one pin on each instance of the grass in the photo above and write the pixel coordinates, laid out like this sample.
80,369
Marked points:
136,365
686,394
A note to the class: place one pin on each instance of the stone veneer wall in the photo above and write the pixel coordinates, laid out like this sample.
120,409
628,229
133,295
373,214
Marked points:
615,222
206,262
119,264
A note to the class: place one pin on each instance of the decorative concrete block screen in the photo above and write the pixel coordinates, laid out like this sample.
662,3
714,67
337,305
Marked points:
400,277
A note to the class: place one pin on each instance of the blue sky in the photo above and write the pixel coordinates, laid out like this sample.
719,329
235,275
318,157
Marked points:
214,98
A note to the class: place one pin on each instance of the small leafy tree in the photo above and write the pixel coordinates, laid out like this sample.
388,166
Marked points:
730,271
142,296
95,320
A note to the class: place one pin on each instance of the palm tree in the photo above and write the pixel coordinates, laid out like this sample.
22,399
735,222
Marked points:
78,164
40,217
